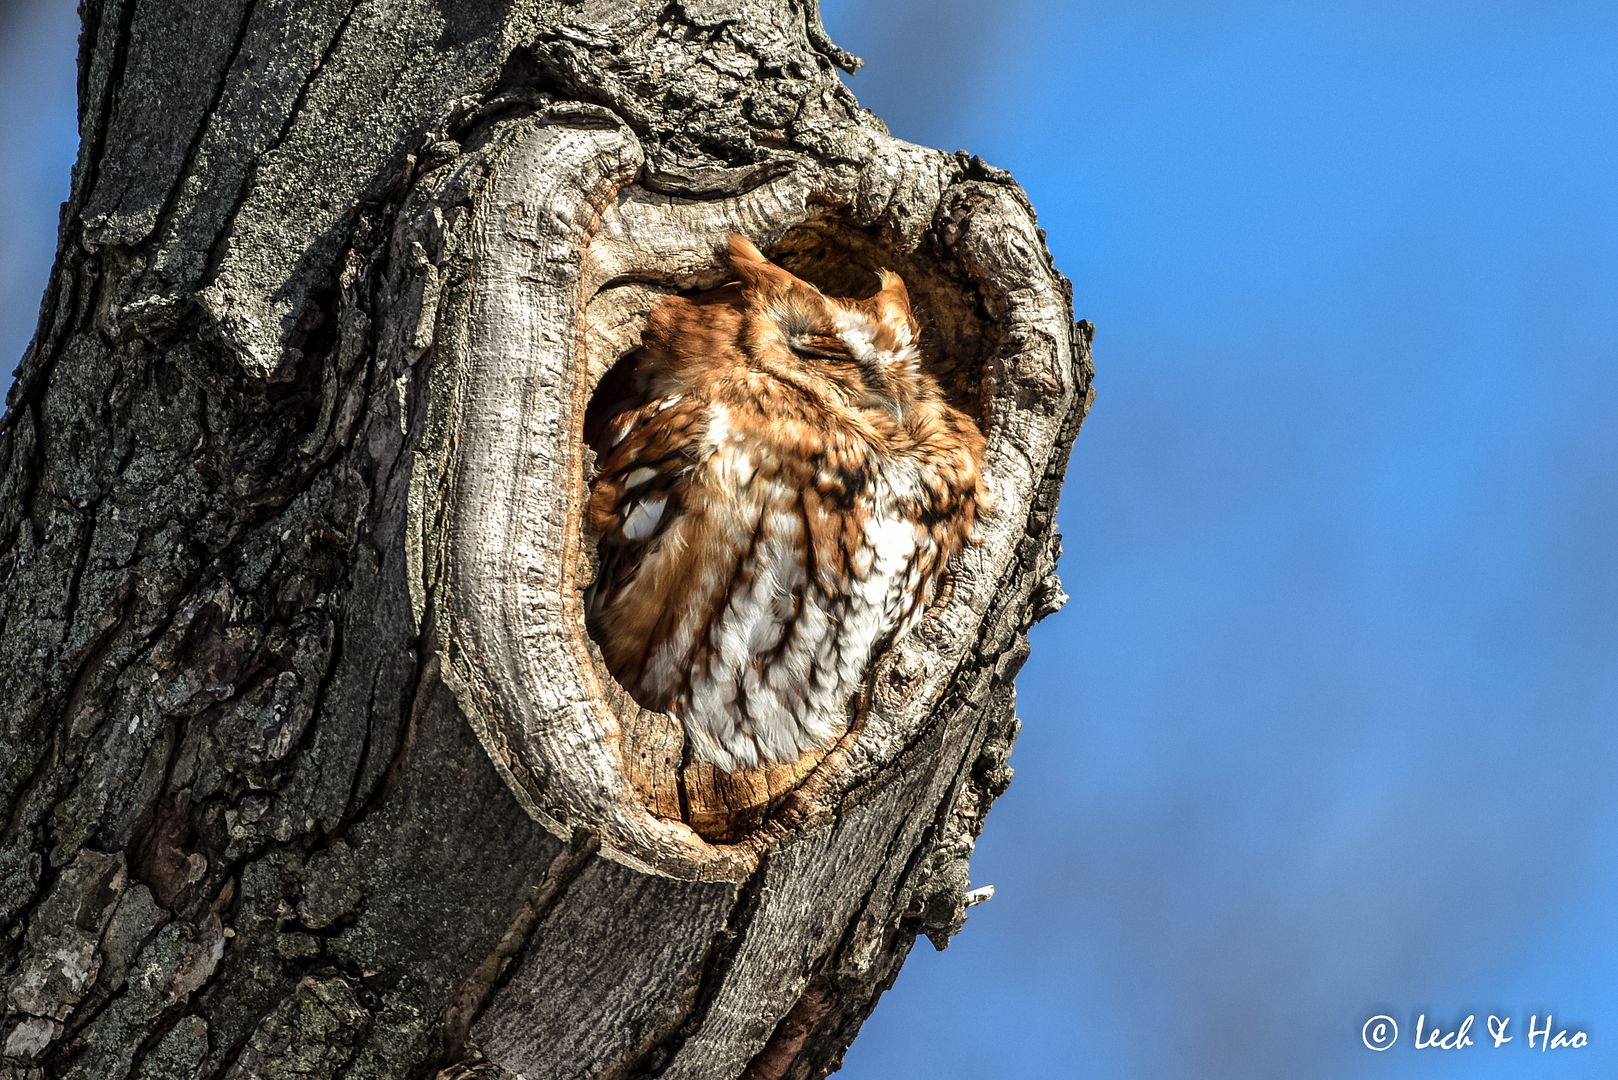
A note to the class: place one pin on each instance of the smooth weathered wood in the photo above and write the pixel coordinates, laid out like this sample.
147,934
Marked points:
309,766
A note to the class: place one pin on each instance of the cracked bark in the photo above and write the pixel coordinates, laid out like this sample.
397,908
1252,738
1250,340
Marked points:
308,766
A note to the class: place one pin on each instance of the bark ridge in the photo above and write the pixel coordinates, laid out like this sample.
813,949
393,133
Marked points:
308,765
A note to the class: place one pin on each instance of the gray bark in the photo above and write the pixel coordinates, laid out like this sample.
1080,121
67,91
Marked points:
309,767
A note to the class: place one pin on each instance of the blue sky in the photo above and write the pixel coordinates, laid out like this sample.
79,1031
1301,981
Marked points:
1328,727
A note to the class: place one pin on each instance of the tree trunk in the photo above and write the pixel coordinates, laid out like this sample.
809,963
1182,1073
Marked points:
309,765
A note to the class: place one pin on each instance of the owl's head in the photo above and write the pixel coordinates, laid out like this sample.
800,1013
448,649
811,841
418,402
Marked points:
865,349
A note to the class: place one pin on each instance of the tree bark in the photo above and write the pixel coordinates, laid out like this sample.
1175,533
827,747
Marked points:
309,766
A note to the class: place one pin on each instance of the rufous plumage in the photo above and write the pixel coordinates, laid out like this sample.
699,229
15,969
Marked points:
774,505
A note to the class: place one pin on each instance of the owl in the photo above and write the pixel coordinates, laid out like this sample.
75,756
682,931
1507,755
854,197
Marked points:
774,504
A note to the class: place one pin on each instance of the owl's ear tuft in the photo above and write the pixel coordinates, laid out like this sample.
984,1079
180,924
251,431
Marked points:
892,303
743,250
753,269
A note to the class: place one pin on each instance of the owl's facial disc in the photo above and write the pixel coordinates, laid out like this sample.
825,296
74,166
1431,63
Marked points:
842,336
875,337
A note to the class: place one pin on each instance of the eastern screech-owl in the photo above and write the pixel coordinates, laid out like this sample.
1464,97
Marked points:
776,502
